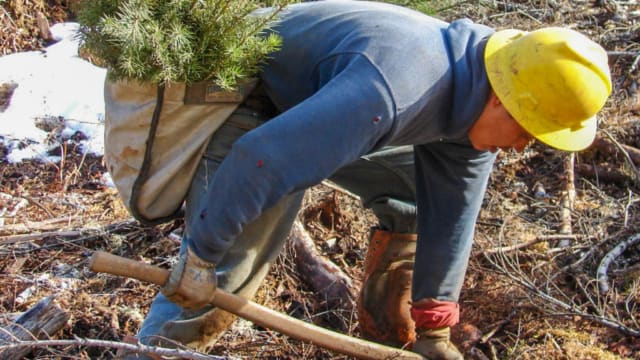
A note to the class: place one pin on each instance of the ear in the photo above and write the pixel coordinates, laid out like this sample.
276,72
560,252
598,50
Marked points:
493,99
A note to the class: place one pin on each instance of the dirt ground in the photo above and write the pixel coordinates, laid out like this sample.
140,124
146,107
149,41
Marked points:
531,290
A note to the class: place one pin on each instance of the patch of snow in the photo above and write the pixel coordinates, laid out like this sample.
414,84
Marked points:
52,84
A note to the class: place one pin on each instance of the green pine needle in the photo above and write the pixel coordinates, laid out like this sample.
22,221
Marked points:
179,40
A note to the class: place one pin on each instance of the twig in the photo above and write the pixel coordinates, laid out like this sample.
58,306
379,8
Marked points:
634,65
539,239
625,153
38,204
28,226
603,175
334,187
592,249
452,6
625,271
630,202
518,10
561,236
138,348
607,259
501,324
571,309
504,249
623,53
568,198
633,152
8,17
16,239
90,234
525,14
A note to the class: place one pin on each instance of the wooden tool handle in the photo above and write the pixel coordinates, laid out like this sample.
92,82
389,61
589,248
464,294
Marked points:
118,265
249,310
305,331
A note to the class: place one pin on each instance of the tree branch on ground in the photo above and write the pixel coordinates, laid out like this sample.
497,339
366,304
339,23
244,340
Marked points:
603,280
331,285
137,348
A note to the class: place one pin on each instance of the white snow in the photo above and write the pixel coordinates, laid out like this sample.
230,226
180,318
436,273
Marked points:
55,88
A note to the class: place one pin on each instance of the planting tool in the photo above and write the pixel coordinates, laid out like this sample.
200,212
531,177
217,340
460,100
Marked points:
261,315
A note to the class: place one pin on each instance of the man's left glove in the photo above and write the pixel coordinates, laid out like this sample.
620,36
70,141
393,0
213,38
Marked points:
192,282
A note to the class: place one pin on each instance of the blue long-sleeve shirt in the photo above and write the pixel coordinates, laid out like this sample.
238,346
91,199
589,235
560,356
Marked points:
352,77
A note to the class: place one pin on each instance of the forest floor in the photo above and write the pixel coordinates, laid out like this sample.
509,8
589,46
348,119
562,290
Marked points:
531,289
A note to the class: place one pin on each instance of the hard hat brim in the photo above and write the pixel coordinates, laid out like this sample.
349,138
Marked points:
546,130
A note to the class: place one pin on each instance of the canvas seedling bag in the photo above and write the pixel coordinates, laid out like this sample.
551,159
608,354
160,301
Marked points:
155,136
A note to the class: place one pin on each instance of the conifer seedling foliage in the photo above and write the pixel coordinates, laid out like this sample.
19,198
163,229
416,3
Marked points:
179,40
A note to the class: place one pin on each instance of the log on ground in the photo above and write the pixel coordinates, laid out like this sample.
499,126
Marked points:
39,322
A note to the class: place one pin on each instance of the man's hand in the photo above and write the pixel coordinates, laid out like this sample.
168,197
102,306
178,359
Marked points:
192,282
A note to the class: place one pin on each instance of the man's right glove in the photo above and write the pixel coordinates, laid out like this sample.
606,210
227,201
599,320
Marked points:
435,344
192,282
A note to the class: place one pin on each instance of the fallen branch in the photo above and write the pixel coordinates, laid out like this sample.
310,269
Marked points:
40,321
603,281
138,348
326,278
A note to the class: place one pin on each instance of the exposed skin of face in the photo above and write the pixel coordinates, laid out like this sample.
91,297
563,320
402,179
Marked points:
497,129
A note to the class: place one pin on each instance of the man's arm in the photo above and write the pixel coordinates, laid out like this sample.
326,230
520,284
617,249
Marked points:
348,117
451,180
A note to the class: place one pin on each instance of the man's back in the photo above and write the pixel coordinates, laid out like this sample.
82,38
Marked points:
410,51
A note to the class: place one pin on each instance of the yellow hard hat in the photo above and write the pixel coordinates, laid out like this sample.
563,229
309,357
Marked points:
553,81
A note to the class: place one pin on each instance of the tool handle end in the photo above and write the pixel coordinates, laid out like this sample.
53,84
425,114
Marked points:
112,264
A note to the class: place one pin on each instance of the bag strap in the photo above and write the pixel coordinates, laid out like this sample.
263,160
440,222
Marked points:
143,176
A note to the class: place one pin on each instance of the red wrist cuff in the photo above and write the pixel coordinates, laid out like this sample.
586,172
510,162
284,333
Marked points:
432,314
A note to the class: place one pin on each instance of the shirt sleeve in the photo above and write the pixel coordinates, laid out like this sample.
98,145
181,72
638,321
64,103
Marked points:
347,117
451,179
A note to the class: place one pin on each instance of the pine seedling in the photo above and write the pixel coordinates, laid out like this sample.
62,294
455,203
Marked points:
179,40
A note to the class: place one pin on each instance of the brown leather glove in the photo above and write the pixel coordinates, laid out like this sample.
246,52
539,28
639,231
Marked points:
192,283
435,344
